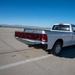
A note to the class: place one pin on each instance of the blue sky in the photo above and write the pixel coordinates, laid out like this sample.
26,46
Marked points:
42,13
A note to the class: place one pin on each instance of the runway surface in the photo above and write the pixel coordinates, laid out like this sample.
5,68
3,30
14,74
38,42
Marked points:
16,58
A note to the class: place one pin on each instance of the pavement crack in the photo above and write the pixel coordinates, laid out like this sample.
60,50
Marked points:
12,48
12,51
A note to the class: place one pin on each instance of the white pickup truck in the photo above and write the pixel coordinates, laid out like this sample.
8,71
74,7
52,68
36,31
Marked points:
61,35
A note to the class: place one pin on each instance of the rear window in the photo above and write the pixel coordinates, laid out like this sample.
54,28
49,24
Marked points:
61,27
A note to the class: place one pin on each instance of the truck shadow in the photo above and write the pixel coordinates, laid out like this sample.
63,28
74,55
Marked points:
68,52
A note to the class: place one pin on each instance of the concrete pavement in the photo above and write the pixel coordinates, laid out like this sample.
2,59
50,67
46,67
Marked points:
17,58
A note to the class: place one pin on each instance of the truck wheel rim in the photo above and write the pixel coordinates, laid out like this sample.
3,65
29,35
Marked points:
58,48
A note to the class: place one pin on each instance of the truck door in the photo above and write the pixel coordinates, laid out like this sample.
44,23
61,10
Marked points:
73,41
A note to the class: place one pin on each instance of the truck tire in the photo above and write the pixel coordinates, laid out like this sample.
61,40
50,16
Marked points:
56,48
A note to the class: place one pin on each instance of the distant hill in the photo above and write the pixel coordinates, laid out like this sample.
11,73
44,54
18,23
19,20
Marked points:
25,26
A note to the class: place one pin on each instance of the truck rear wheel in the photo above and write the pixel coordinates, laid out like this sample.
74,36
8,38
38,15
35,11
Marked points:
56,48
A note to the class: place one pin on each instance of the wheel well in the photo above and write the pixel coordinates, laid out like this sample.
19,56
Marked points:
59,40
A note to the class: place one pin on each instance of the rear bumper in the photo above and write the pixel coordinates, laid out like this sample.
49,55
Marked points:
29,42
34,43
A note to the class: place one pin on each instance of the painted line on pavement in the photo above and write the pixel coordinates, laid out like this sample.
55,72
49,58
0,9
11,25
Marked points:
23,62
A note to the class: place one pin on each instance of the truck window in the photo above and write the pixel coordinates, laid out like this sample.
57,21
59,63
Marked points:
61,27
73,28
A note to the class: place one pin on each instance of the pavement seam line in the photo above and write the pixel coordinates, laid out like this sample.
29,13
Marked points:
23,62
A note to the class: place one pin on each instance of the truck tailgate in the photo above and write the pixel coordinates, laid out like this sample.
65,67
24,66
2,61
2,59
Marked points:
25,35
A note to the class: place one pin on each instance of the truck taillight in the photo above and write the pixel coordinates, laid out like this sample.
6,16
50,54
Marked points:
44,38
